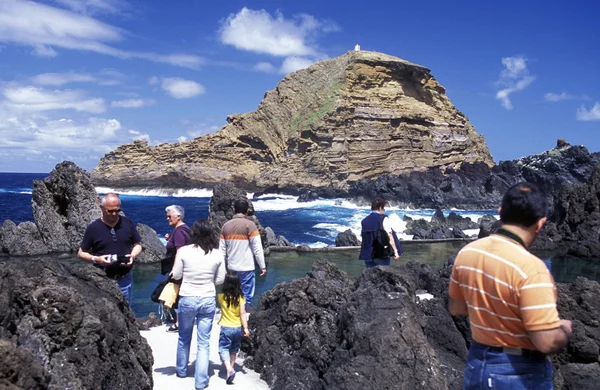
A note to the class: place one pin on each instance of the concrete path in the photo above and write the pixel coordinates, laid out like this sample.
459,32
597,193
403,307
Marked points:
164,349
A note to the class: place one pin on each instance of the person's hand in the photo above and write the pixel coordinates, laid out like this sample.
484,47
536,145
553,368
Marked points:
566,326
167,236
246,332
130,263
101,260
396,256
263,271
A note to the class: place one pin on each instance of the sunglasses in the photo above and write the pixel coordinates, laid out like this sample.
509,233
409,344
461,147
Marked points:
172,216
114,234
113,211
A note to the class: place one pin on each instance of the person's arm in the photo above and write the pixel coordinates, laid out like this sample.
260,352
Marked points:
257,249
177,271
244,318
387,226
457,308
457,304
537,301
100,260
220,274
223,246
552,340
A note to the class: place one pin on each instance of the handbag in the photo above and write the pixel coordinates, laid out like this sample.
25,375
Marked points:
169,294
155,296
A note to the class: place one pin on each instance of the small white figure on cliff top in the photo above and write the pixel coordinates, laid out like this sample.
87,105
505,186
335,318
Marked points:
357,47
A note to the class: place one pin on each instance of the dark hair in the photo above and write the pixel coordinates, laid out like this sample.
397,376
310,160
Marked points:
203,235
232,289
378,203
523,204
241,206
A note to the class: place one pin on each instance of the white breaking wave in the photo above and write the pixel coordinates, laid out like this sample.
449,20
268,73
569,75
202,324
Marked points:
471,232
178,193
318,244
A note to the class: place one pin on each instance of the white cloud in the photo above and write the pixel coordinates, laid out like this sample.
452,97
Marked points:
266,67
292,64
131,103
38,25
556,97
136,135
43,51
88,7
593,114
181,139
58,79
180,88
34,99
259,32
514,77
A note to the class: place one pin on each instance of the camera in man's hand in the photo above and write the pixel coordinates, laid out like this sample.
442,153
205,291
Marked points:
115,259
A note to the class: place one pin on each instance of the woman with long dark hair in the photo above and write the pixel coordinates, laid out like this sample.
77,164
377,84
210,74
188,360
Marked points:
233,322
201,265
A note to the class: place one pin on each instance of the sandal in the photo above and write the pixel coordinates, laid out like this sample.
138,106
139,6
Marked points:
173,329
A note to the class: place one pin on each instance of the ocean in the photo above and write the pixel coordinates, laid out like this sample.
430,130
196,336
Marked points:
314,223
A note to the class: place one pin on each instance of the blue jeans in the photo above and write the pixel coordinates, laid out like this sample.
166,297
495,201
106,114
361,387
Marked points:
200,310
377,261
126,286
229,342
497,370
247,278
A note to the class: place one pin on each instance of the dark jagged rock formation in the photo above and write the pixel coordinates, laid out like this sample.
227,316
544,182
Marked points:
328,331
440,227
347,238
574,225
22,240
362,114
153,248
477,186
63,206
273,240
66,326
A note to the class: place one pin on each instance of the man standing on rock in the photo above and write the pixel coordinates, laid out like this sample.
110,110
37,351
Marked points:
112,244
510,298
379,241
241,246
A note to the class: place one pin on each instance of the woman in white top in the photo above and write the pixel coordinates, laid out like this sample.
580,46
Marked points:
201,265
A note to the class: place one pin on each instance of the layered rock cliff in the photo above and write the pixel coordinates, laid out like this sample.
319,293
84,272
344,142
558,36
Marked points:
356,116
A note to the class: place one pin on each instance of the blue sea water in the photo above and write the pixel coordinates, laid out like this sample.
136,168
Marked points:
314,223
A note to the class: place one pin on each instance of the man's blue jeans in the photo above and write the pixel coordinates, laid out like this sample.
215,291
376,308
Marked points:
377,261
247,278
200,310
126,286
488,369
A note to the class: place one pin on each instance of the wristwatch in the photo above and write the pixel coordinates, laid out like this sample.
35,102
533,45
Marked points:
94,259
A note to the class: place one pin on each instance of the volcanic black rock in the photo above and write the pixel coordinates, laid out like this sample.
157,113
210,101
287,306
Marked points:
66,326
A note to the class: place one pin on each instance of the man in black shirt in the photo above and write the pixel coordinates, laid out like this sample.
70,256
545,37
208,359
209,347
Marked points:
112,243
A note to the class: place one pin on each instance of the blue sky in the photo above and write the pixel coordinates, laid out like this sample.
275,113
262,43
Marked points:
80,77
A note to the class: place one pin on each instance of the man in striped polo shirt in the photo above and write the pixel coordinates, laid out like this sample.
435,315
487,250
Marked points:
241,246
510,298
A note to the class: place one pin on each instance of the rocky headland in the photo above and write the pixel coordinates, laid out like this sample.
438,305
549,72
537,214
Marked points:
329,331
361,115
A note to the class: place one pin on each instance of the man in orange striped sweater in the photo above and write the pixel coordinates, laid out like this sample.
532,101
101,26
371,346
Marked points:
241,246
510,298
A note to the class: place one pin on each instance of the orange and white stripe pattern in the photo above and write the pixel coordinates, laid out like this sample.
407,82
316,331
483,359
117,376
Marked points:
508,292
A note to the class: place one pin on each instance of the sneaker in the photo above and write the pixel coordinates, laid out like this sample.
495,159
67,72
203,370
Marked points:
173,329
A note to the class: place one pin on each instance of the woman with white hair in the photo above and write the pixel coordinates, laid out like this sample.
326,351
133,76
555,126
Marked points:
177,239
